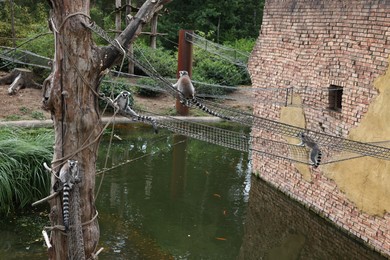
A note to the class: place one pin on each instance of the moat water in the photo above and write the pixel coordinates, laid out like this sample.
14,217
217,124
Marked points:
170,197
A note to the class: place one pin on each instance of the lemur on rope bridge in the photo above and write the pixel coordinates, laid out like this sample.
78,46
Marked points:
122,102
187,94
315,153
69,175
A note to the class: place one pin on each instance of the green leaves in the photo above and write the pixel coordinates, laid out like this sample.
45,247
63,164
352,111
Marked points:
22,176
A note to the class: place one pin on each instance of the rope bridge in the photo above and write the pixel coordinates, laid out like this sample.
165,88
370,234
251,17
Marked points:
14,55
340,148
239,58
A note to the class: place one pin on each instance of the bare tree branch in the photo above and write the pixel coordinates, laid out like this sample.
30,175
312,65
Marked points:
111,54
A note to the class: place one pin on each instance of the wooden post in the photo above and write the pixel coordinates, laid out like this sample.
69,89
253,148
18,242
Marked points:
118,27
153,31
130,48
13,24
184,63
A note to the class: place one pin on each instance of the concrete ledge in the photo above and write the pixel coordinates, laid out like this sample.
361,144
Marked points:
105,120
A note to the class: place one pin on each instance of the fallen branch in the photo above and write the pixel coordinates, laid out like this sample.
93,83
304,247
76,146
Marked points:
51,196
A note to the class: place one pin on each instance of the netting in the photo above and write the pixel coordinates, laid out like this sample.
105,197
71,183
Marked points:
334,148
234,56
15,55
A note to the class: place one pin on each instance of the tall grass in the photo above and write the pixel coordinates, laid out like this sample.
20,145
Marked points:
22,176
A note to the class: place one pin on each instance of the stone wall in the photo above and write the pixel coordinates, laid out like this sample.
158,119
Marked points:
305,47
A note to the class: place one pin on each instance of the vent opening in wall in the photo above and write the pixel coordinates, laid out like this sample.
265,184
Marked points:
335,98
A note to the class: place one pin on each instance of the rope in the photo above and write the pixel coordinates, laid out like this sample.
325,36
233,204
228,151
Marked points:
239,58
71,15
268,125
332,143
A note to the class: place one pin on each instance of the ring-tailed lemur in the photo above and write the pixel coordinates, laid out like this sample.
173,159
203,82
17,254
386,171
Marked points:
69,175
315,153
187,94
122,102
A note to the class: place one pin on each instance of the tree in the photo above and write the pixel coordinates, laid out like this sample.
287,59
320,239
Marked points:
72,97
220,20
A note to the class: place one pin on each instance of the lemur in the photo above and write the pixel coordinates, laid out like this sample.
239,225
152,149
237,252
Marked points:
122,102
69,175
187,94
315,153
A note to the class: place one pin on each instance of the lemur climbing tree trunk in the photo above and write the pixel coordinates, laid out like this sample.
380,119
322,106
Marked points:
71,94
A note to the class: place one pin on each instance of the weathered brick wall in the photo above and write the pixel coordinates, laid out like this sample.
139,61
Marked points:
309,45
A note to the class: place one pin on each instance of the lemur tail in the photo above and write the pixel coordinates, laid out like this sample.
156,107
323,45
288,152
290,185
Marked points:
196,102
317,159
65,205
149,119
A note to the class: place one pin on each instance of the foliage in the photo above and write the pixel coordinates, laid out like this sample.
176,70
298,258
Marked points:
220,20
161,60
214,70
22,176
243,44
147,87
111,87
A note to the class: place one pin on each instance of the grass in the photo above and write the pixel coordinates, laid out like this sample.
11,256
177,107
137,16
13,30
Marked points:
22,176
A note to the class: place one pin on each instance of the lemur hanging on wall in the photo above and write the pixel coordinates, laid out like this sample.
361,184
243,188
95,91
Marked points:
122,102
187,94
69,175
315,153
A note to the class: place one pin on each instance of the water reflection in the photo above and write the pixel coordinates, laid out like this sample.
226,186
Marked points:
177,198
184,199
278,228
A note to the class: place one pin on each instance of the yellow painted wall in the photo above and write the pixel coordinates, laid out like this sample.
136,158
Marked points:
366,181
296,117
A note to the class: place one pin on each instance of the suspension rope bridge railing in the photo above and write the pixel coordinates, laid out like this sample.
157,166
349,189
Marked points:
239,58
261,123
226,138
24,57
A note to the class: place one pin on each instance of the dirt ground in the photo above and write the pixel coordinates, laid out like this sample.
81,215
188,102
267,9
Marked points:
26,104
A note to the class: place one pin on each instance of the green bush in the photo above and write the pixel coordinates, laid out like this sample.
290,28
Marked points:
147,87
160,60
215,70
23,179
244,45
111,87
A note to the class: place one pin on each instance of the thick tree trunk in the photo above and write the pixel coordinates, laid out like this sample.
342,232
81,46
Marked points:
71,96
74,107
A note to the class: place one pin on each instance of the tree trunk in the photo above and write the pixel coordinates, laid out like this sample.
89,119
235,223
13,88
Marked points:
73,102
19,78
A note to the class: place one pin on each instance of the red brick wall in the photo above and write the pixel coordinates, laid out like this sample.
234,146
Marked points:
309,45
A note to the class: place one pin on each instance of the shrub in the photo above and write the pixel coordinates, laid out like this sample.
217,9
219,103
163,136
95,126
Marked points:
111,87
22,176
160,60
147,87
214,70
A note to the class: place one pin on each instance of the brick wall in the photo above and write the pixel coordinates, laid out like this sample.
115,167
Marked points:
309,45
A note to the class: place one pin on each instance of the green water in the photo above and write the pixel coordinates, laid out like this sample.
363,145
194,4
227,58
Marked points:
185,199
169,197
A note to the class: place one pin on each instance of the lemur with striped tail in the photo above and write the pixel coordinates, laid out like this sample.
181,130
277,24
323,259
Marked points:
122,103
315,153
187,94
69,175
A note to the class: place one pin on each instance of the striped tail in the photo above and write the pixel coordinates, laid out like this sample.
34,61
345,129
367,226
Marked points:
65,205
315,157
207,110
150,120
